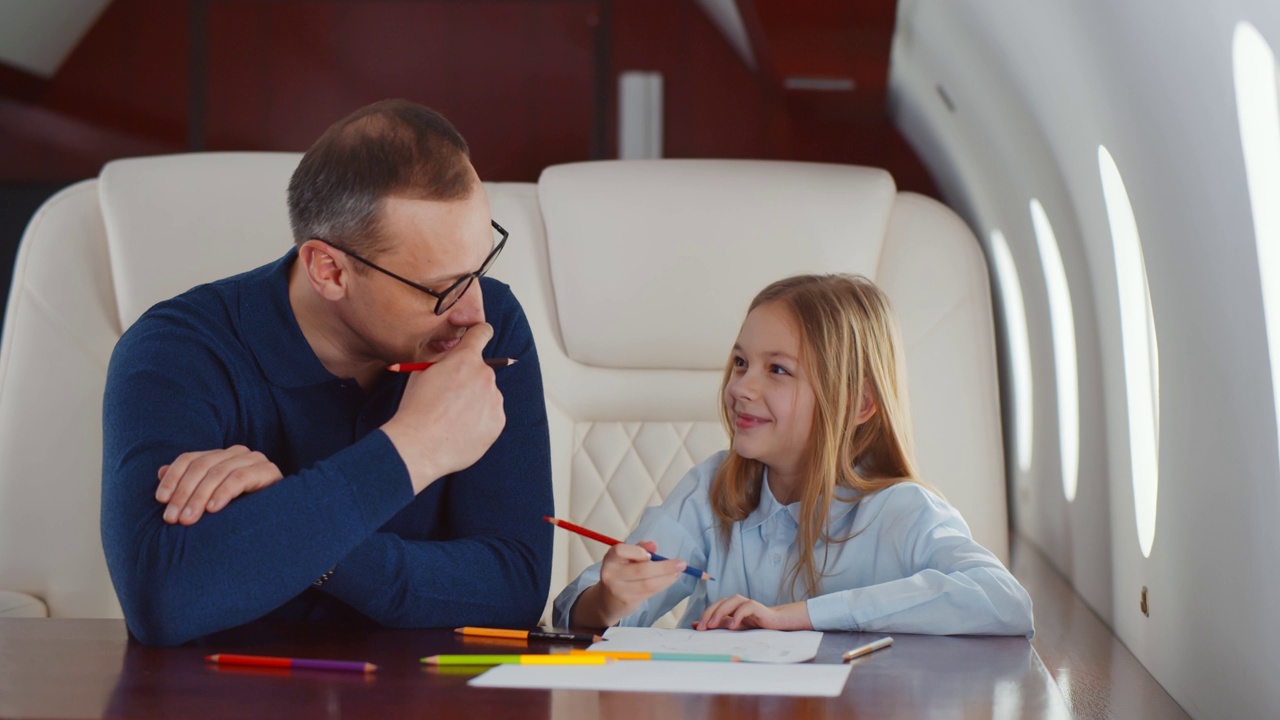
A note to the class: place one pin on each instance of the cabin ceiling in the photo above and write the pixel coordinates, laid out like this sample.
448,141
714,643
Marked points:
37,35
836,50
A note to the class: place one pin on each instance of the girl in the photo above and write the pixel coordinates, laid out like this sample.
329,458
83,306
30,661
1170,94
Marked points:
816,517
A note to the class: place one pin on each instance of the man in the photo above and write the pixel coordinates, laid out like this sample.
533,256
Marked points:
259,461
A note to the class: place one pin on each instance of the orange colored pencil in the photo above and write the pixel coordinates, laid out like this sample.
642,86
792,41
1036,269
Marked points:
529,634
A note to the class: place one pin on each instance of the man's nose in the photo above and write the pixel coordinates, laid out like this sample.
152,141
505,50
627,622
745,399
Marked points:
469,310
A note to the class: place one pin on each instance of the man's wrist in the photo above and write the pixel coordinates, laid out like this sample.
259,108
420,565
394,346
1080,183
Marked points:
422,471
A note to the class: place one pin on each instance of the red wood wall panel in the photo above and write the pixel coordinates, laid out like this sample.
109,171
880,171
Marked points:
517,77
122,91
514,77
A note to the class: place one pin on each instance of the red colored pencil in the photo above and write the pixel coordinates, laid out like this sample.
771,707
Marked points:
700,574
284,662
416,366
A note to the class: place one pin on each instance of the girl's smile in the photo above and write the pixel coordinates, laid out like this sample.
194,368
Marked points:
743,421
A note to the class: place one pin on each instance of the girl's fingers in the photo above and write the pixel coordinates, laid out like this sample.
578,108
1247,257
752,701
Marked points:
743,614
714,615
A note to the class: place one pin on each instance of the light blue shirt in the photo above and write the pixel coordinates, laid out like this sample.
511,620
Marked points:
910,564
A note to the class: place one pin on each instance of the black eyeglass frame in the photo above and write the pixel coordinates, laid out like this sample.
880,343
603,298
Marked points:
440,297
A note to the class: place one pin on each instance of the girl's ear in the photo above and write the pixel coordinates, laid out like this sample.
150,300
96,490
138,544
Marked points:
869,403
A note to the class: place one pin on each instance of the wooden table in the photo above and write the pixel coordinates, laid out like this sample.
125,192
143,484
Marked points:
90,668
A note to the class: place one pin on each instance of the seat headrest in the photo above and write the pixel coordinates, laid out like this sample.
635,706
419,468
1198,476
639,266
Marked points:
654,262
227,209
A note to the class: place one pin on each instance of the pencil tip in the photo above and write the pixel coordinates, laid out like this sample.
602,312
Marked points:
370,667
597,638
393,367
433,660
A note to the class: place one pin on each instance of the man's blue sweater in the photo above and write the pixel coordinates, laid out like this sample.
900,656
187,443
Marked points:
226,364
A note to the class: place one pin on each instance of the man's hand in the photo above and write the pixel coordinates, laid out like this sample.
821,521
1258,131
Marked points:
628,577
742,613
205,481
449,415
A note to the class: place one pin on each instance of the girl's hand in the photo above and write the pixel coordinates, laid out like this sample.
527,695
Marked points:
627,578
742,613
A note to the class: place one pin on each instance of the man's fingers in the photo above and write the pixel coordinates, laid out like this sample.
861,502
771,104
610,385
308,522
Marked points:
226,474
187,479
170,474
243,480
476,337
178,481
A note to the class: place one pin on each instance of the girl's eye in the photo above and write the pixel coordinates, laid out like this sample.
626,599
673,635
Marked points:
739,362
779,370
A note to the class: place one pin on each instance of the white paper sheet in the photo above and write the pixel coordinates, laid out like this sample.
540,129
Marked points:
675,677
761,646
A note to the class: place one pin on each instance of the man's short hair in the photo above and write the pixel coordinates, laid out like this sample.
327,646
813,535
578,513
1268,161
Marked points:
392,148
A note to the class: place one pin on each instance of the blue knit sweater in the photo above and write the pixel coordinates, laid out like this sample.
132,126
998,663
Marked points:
226,364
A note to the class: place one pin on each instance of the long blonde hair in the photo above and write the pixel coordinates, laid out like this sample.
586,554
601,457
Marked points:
849,341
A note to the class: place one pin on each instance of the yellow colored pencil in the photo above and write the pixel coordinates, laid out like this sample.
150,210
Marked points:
525,659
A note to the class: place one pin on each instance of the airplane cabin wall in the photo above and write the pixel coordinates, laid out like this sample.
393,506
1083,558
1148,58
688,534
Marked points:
1036,88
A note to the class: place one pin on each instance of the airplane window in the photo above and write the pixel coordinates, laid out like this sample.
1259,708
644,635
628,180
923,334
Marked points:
1258,107
1141,355
1019,345
1062,321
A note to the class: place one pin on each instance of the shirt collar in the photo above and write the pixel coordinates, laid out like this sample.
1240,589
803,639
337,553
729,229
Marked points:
271,330
845,501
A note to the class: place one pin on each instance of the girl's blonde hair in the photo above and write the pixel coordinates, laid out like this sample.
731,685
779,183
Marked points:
849,342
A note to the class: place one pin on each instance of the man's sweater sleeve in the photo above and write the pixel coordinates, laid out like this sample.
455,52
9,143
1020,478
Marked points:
496,568
167,393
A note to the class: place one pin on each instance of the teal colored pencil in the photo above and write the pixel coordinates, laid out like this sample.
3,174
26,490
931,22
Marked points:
645,655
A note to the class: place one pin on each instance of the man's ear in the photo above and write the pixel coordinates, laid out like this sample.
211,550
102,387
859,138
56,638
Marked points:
327,275
869,403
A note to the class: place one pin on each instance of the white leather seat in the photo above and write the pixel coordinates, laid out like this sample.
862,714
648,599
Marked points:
635,276
94,258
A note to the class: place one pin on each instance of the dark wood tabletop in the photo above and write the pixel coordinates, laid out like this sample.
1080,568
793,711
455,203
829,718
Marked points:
63,668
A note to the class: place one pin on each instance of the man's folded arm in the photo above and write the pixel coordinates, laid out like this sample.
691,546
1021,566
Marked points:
176,582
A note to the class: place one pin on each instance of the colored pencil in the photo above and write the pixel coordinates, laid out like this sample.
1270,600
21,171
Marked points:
416,366
526,659
638,655
530,634
700,574
868,648
285,662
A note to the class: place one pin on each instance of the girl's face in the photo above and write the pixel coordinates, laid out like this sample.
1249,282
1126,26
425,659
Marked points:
769,399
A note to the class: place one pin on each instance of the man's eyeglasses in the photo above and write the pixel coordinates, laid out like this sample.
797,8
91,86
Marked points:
449,296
